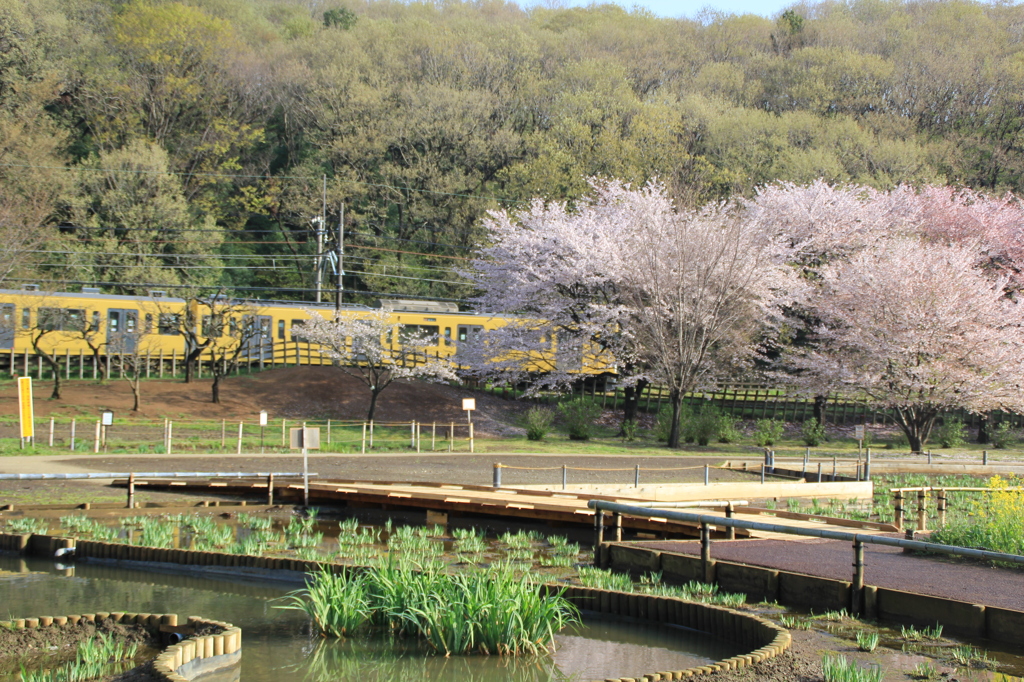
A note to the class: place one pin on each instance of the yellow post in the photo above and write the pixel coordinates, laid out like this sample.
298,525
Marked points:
25,409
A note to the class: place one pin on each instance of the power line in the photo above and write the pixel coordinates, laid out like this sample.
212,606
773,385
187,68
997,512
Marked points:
242,176
214,287
243,267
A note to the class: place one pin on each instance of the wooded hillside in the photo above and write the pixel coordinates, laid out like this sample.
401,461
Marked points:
157,144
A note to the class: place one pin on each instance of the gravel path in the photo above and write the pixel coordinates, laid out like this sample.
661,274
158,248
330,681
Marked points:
883,566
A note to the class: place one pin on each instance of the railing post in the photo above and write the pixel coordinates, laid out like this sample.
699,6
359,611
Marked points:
131,491
897,509
762,472
496,483
984,457
618,526
707,475
598,529
565,477
636,477
819,472
942,507
922,509
867,465
705,551
363,446
730,532
856,594
270,488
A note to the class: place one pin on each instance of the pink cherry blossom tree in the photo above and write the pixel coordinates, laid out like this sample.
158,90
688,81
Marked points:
678,297
366,348
919,327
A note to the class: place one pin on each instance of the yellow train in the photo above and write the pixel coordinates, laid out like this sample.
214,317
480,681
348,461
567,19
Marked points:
87,323
81,330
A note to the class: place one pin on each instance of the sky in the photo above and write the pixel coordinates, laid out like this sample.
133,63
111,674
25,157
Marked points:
688,8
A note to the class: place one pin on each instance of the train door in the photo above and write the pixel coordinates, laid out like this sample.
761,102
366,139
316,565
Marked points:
258,340
7,326
123,329
467,332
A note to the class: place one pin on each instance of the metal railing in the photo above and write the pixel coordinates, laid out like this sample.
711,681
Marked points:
707,521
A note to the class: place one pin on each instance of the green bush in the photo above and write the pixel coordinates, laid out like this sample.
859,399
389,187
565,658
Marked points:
813,433
629,429
767,432
1003,436
705,426
537,422
579,415
728,431
664,424
952,433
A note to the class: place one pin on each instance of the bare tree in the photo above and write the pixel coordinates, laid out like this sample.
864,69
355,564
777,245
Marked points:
365,347
130,355
238,332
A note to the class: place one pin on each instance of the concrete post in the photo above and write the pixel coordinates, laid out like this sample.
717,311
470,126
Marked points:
131,491
496,482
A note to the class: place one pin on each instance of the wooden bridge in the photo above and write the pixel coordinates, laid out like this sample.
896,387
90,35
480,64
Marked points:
440,501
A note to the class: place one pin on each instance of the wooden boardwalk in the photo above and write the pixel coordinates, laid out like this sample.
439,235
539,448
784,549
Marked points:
559,507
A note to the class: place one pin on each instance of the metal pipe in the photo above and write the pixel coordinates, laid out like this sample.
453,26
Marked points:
693,503
632,510
140,474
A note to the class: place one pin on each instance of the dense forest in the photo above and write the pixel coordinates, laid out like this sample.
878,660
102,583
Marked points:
157,144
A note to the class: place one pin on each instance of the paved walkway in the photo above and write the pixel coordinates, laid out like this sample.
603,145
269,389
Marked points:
883,566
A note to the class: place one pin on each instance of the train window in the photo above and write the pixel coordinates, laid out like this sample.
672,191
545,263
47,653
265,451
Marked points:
407,332
213,325
233,326
149,324
467,332
296,336
25,323
168,324
60,319
113,322
95,326
280,329
447,336
7,319
129,322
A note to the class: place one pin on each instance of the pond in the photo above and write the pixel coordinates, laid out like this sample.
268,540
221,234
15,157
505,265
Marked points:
279,644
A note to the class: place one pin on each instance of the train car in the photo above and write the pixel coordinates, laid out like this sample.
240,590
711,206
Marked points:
92,324
81,329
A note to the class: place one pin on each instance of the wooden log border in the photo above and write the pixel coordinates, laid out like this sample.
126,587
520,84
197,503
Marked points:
228,641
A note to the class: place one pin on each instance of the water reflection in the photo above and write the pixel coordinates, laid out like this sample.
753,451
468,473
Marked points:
280,644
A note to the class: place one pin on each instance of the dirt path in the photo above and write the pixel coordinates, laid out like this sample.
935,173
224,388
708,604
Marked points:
886,567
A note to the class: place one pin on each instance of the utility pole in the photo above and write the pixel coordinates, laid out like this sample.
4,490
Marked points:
341,255
321,224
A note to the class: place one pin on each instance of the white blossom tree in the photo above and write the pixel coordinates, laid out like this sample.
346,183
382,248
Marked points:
553,274
919,327
366,348
677,297
706,288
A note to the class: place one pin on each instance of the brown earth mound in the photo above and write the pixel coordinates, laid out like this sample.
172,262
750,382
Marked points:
291,392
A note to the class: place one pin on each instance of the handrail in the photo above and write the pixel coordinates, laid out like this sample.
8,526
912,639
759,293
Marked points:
711,520
148,474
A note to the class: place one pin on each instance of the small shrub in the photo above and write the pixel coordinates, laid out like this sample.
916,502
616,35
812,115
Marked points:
923,671
728,431
537,422
813,433
629,430
767,432
706,425
1003,436
579,415
952,433
664,425
839,669
867,641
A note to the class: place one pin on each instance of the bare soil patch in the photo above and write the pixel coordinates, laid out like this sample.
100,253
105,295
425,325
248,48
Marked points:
289,392
57,643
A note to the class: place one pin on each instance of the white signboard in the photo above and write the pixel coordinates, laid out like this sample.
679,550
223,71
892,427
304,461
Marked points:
469,404
858,432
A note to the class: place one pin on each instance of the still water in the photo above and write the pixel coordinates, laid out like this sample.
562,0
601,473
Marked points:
279,645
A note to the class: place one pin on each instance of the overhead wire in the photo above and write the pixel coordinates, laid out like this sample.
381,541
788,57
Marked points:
243,176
